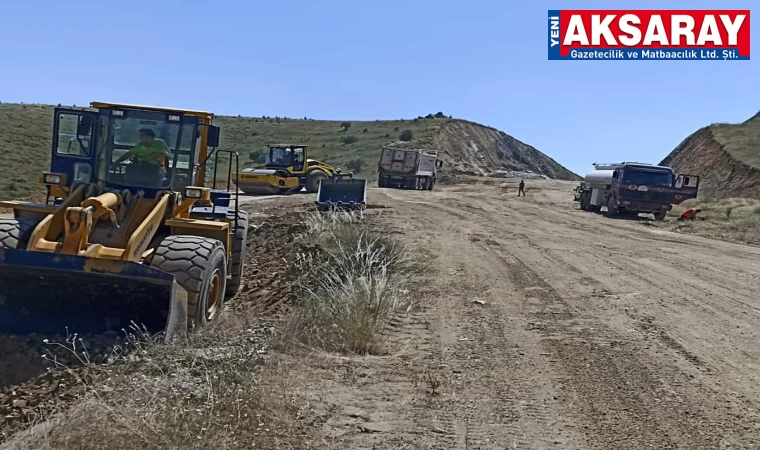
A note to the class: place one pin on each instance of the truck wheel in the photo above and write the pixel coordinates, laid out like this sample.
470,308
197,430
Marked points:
198,264
584,203
660,215
612,208
381,182
313,179
237,257
15,233
431,183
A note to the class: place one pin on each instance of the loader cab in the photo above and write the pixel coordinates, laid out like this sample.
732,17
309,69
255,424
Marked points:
286,156
92,145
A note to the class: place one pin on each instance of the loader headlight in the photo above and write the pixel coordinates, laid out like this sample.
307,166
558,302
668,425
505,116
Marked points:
52,178
193,193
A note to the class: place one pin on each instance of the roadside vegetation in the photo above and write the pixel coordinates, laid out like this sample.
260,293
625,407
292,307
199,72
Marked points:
733,219
347,289
237,383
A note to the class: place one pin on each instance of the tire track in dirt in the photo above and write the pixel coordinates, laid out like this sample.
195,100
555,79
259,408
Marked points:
632,395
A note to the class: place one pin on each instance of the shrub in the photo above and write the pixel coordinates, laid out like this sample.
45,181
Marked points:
348,139
406,135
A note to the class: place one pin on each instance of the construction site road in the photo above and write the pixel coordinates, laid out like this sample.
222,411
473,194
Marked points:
551,327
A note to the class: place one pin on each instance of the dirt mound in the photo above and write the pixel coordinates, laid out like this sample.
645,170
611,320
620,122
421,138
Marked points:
472,149
726,157
271,247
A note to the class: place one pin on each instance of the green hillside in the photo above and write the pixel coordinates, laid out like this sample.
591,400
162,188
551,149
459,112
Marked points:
25,140
742,140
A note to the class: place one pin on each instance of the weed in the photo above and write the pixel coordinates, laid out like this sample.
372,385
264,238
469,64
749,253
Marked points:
347,293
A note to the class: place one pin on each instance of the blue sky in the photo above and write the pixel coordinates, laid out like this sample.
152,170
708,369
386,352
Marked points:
484,61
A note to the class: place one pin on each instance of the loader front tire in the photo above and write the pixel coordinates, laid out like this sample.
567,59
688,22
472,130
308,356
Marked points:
313,179
198,265
15,233
238,252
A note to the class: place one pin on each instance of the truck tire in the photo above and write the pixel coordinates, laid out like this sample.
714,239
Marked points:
660,215
15,233
431,183
313,179
584,202
237,253
381,182
612,209
199,265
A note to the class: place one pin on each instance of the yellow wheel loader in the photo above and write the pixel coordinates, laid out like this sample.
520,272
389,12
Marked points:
132,234
287,169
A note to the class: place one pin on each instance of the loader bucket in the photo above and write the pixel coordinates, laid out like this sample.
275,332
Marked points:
342,192
49,293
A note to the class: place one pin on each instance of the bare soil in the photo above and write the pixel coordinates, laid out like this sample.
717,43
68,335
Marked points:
543,326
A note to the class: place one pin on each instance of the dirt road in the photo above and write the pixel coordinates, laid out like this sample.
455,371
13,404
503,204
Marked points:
543,326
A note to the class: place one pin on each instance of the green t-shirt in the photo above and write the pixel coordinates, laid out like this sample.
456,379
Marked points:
144,153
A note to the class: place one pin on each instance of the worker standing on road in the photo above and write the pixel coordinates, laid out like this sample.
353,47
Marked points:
689,214
521,188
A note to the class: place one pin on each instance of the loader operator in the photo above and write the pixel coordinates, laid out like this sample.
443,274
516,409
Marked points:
149,151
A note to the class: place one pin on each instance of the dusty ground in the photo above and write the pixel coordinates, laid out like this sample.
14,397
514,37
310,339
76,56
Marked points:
538,326
543,326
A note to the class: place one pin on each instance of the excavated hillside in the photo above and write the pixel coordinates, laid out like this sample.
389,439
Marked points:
474,149
725,156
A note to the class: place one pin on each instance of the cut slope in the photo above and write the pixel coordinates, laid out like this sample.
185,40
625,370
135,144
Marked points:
725,156
475,149
351,145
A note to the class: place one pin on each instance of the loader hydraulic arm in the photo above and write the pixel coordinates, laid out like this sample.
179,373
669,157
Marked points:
80,219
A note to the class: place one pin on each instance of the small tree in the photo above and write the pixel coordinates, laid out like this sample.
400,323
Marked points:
406,135
345,126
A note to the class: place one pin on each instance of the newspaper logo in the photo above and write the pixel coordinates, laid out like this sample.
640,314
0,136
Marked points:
649,35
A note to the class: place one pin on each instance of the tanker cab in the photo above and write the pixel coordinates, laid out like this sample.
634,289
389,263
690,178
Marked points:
685,187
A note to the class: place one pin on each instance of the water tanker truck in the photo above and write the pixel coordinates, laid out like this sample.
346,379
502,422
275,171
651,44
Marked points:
633,188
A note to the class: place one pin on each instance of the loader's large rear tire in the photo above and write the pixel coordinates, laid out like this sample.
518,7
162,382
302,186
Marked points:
15,233
313,179
238,252
198,264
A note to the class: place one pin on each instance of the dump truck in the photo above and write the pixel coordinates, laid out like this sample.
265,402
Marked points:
287,169
634,188
407,168
129,233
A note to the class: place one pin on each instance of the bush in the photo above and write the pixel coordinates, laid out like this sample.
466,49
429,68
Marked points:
406,135
355,164
345,125
347,291
257,156
348,139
